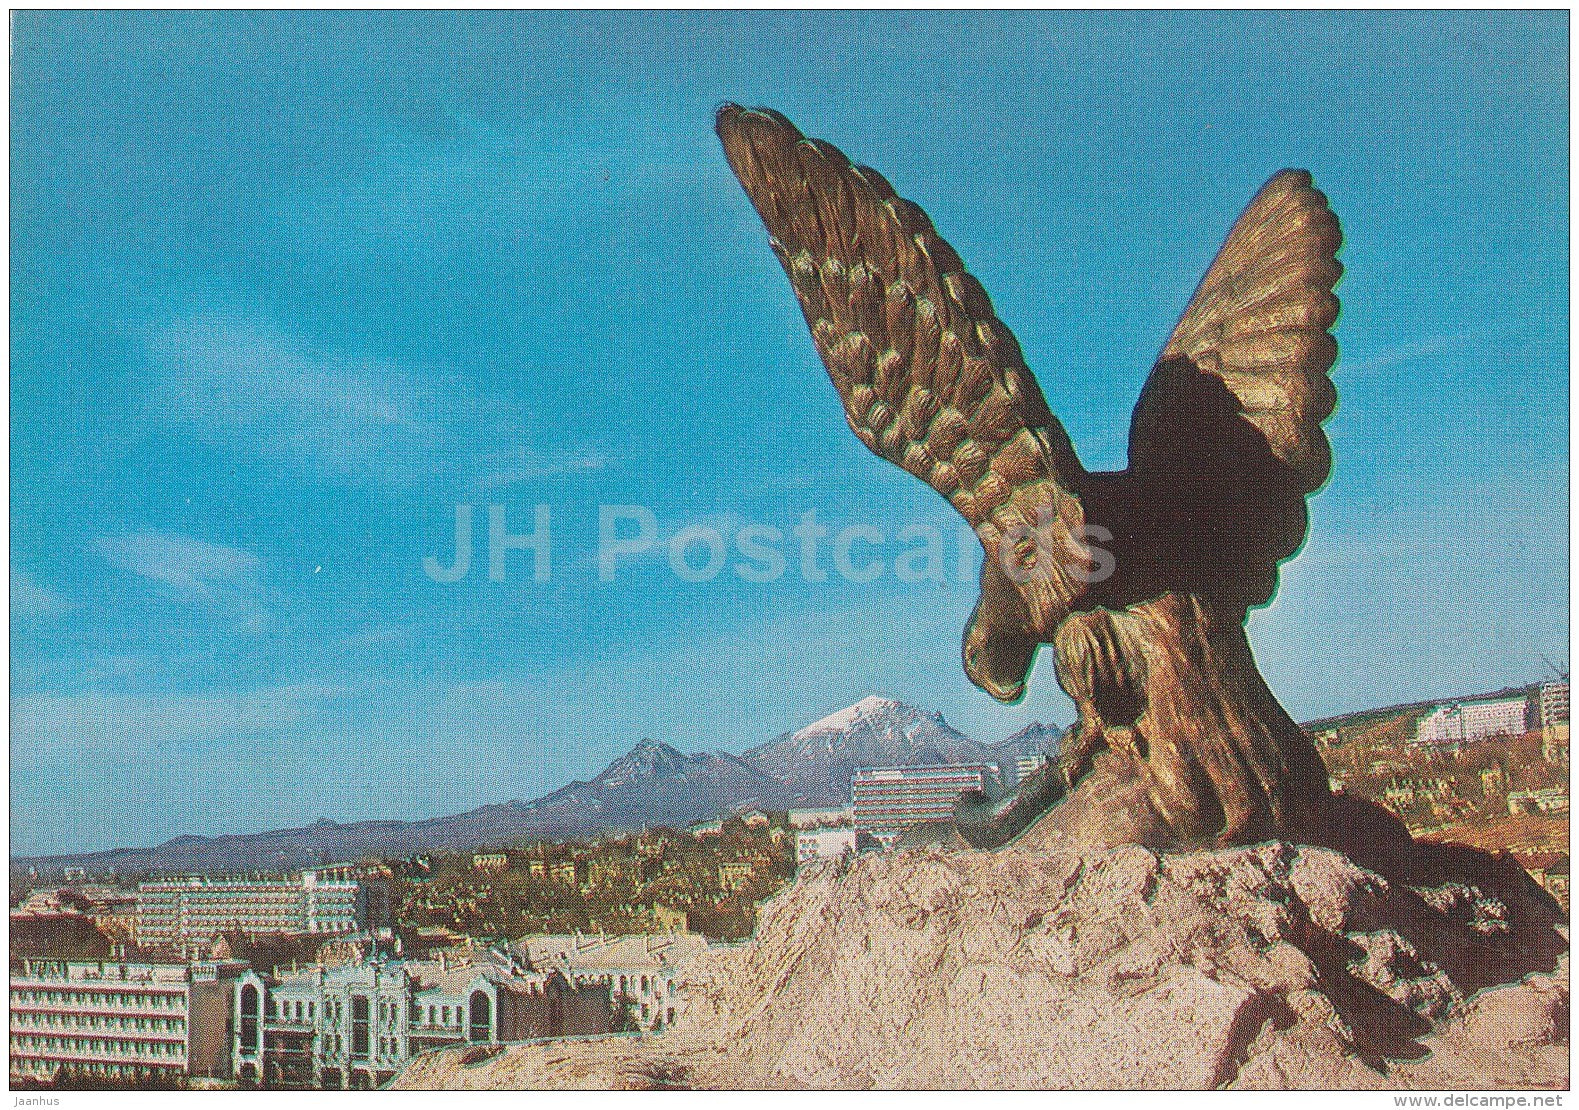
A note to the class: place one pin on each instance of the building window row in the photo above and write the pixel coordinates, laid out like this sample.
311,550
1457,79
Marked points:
291,1009
97,999
649,985
97,1021
94,1046
46,1069
441,1015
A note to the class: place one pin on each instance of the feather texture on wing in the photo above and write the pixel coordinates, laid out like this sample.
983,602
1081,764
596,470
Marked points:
1226,441
929,377
1259,321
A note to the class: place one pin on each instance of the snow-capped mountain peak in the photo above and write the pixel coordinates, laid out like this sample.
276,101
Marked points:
816,762
652,784
867,709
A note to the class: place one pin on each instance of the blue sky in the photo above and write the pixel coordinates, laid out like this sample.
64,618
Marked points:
288,287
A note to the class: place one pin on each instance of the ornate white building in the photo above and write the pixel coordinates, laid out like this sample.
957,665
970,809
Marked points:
641,972
815,844
355,1025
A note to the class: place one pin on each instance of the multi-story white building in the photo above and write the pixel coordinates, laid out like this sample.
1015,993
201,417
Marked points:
821,818
1554,702
355,1025
815,844
1554,799
1554,722
1028,765
889,800
641,971
182,912
118,1021
1466,722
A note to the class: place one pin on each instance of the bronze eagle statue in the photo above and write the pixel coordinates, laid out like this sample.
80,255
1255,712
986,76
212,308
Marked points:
1225,445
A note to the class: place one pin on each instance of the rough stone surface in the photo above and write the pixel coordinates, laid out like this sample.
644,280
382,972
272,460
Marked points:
1274,966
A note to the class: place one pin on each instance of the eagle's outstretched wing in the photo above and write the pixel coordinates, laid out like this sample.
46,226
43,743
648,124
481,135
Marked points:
1226,441
930,378
1259,320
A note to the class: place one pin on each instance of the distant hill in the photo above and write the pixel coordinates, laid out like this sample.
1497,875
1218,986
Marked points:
652,784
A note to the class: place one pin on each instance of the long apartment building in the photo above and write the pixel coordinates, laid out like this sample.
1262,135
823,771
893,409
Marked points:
1468,721
1028,765
106,1020
889,800
641,972
355,1025
176,913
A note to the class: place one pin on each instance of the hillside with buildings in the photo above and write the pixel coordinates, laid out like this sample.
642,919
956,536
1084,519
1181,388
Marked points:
342,975
1489,771
708,879
328,977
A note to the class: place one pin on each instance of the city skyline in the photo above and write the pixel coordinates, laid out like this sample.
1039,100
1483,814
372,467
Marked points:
288,288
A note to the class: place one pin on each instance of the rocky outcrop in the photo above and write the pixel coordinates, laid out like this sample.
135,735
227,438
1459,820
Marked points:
1054,963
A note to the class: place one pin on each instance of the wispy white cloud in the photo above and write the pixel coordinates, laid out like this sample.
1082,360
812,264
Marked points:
239,381
247,384
508,468
526,181
224,579
1401,353
191,567
373,636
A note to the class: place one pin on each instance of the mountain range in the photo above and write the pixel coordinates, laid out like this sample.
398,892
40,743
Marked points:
652,784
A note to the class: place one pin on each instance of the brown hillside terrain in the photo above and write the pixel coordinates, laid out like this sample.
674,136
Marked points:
1536,833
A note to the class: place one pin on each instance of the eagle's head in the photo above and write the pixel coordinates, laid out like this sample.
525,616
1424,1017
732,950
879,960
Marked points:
998,650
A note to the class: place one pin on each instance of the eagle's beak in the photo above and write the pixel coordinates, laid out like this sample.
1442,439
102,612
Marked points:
1006,694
